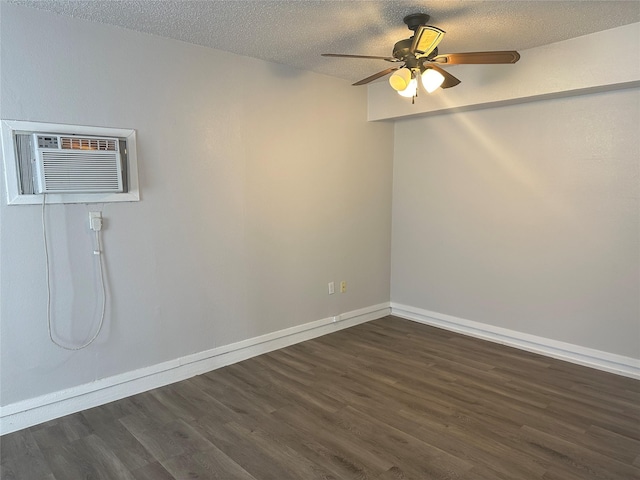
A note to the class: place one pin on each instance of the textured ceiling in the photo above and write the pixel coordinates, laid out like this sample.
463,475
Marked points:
296,32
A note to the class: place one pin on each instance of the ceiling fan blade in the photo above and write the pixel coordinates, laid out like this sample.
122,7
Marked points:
342,55
376,76
426,39
449,80
506,56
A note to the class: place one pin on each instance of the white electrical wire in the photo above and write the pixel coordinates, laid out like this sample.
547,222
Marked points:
104,294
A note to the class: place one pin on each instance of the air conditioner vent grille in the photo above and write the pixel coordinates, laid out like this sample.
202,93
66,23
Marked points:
83,143
79,171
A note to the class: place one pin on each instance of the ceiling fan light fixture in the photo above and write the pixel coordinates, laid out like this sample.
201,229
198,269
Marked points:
431,80
401,79
411,90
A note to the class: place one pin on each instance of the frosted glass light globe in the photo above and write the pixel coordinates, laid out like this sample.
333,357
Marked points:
400,80
411,89
431,80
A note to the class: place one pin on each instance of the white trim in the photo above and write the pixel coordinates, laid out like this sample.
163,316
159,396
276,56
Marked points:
33,411
14,197
609,362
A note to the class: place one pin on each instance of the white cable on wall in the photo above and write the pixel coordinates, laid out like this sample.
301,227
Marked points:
97,252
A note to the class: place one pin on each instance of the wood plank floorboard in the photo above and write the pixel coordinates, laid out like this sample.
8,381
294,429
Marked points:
386,400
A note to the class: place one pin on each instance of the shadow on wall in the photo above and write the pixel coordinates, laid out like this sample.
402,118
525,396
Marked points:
284,71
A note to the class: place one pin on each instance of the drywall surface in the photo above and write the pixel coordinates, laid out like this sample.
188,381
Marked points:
524,217
570,67
259,184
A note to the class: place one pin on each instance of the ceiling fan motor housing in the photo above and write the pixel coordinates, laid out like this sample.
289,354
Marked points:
401,48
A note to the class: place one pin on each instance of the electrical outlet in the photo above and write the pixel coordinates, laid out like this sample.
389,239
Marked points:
343,286
95,221
332,288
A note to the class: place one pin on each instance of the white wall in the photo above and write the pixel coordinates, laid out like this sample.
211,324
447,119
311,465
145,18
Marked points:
259,185
524,217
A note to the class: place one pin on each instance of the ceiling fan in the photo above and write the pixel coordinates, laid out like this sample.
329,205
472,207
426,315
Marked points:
419,58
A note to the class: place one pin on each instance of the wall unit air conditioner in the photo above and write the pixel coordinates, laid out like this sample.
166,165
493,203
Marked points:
62,163
77,164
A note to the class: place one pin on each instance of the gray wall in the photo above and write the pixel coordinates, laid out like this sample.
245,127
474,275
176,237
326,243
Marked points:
259,185
524,217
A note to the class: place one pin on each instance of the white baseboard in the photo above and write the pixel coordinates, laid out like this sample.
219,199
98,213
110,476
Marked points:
609,362
33,411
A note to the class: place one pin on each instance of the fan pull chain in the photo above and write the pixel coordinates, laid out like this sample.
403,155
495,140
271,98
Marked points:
413,99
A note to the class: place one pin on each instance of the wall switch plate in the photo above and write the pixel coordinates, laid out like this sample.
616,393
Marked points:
343,286
332,288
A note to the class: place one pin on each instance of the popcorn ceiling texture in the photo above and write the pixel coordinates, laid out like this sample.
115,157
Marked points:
295,33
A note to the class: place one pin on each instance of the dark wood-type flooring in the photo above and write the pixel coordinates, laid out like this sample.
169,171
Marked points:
390,399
